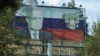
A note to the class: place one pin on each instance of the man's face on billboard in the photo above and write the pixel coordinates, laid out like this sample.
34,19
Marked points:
35,23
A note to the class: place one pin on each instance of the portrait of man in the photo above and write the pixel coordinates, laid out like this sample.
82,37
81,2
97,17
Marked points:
35,29
34,21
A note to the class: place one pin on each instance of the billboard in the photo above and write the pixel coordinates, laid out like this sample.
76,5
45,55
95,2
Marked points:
51,23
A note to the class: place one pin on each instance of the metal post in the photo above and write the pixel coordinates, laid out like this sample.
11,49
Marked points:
27,49
80,44
60,43
59,49
49,50
39,51
26,52
69,52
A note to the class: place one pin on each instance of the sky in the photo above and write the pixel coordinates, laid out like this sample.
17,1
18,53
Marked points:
91,7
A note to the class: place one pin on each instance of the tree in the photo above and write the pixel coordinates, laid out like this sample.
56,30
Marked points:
8,9
92,45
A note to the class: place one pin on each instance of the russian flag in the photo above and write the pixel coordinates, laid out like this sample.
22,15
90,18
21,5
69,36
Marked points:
57,27
61,32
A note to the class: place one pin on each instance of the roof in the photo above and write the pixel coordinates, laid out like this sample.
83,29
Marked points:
57,7
54,7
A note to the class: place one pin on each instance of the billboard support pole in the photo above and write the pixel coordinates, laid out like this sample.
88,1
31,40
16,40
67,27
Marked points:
49,50
60,43
69,52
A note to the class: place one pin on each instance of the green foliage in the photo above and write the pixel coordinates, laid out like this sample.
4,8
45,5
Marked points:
96,29
7,14
92,45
